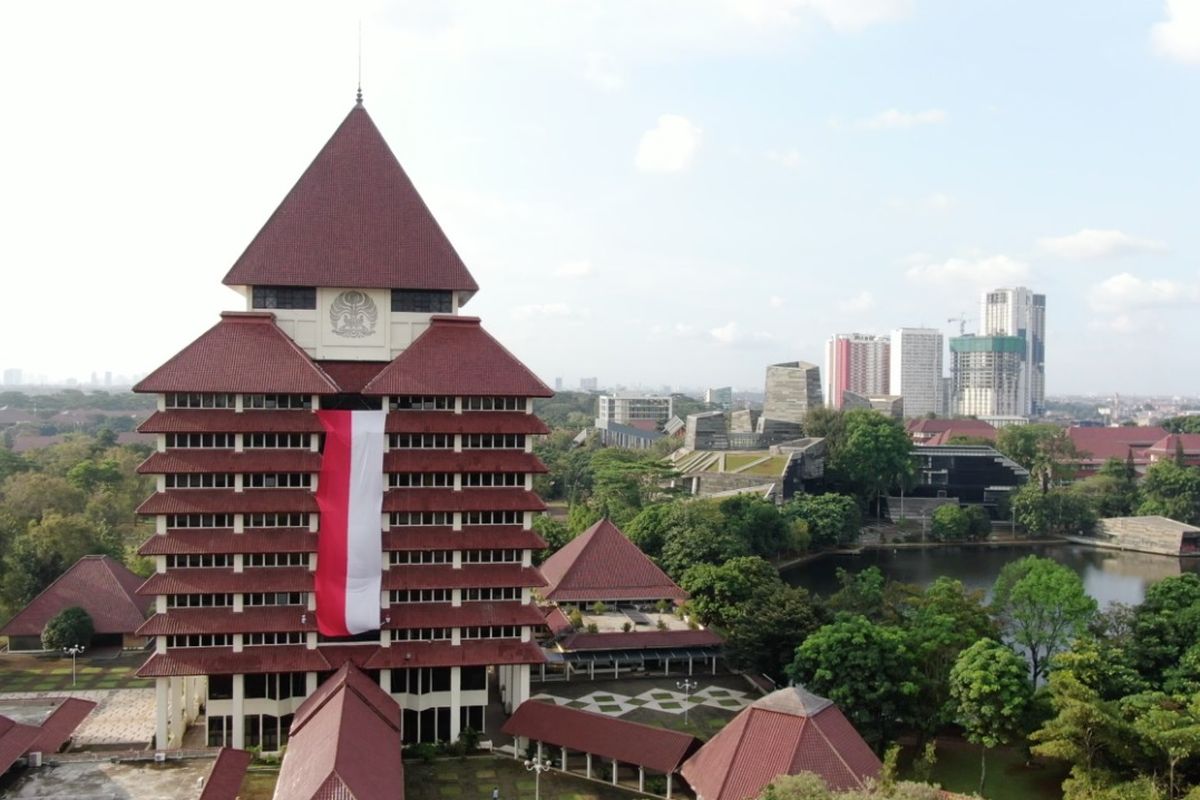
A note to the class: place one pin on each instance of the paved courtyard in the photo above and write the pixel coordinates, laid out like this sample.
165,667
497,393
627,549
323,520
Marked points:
474,779
101,780
666,700
122,717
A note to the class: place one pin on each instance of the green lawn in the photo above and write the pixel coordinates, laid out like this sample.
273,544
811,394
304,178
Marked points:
20,673
474,779
1008,776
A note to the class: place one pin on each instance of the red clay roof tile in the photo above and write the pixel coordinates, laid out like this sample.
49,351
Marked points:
444,576
273,540
467,422
227,421
100,585
603,564
202,580
258,460
224,781
455,356
228,501
354,217
413,461
503,499
230,357
472,537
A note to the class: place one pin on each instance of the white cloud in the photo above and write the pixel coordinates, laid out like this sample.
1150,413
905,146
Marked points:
730,335
936,203
775,301
997,270
574,269
894,119
863,301
789,158
1090,243
1124,292
670,146
545,310
1178,37
844,16
602,72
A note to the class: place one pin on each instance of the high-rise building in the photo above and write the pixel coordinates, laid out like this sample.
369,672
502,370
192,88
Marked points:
628,408
558,384
722,396
856,362
988,376
1021,313
12,377
916,370
352,302
588,384
792,389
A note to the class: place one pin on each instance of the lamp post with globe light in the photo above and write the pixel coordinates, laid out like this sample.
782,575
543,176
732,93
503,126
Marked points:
537,766
688,687
73,651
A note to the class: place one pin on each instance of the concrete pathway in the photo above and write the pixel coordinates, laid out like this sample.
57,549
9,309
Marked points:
121,717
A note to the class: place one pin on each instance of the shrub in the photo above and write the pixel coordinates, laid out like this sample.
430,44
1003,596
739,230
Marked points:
575,617
69,628
599,608
663,606
627,626
424,751
593,628
662,625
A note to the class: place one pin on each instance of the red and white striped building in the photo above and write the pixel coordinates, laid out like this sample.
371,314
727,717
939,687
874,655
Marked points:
353,294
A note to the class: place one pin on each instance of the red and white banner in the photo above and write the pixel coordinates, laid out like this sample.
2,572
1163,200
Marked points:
350,498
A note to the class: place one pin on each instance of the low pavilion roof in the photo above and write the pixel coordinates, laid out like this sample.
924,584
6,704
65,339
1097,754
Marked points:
603,564
100,585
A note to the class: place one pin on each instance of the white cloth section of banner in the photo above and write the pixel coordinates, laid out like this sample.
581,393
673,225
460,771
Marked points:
364,539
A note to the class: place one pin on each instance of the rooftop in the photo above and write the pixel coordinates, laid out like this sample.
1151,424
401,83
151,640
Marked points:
603,564
100,585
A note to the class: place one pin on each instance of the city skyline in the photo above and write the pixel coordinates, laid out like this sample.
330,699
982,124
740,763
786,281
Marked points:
820,163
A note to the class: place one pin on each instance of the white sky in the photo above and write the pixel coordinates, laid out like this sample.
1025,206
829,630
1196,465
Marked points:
669,192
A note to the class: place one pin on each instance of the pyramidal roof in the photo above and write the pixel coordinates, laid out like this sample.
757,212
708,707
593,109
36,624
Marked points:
787,732
100,585
354,219
229,357
603,564
456,356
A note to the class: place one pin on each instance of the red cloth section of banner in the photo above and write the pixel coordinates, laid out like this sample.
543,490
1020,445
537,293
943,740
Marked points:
333,500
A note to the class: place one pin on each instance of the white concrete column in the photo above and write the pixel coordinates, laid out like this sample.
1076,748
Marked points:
564,760
521,688
385,680
670,780
642,779
161,698
588,771
310,681
455,703
614,772
239,712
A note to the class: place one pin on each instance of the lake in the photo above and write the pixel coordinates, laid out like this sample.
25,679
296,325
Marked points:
1108,575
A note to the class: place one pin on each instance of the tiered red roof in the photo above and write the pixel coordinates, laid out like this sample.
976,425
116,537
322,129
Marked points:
354,217
466,461
456,356
344,743
941,430
228,501
473,537
467,422
253,619
190,461
186,542
444,615
229,421
1173,444
444,576
601,735
232,356
204,580
503,499
603,564
100,585
787,732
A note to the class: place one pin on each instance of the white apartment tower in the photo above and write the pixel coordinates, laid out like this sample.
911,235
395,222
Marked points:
856,362
916,370
1021,313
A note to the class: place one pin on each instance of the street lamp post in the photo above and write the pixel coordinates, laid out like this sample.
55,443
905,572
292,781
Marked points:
537,766
688,687
73,651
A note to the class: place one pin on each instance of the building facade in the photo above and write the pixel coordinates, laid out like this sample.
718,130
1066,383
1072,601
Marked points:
722,396
352,297
915,370
627,408
792,389
856,362
988,376
1021,313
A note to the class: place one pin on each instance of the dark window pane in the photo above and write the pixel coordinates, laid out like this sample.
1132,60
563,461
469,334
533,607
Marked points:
421,301
220,687
284,297
474,678
256,686
441,679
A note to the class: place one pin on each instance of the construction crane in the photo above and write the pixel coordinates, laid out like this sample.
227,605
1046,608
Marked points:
962,319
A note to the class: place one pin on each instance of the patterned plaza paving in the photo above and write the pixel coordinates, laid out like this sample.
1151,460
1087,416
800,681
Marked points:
666,700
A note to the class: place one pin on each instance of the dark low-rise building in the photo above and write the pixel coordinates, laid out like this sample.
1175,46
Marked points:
970,474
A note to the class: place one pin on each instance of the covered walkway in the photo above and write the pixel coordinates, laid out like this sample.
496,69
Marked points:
573,741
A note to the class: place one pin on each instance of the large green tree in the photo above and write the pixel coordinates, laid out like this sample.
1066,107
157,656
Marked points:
868,669
71,627
875,455
1166,624
767,628
1042,448
720,593
990,691
1171,490
832,519
1055,512
1042,606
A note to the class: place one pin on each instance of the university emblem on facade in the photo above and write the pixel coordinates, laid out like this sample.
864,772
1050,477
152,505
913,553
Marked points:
353,314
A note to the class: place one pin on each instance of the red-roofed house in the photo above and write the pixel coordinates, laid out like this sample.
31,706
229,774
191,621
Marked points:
1097,445
352,300
344,743
614,586
1174,446
942,431
787,732
101,586
48,737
